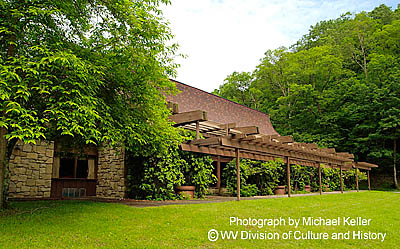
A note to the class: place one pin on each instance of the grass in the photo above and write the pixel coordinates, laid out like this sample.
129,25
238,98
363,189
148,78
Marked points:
84,224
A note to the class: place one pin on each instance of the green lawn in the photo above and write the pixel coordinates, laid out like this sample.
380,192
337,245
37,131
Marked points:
79,224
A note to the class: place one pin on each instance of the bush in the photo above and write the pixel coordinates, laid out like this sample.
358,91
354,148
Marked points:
198,172
248,190
256,177
155,177
265,176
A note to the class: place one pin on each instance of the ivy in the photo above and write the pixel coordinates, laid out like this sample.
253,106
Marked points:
155,177
261,178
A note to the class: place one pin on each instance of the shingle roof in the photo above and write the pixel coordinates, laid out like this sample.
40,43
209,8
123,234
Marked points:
220,109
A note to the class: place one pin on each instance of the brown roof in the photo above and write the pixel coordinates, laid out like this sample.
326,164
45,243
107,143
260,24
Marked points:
220,109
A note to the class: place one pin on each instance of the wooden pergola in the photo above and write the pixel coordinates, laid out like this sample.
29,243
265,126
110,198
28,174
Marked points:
365,166
229,141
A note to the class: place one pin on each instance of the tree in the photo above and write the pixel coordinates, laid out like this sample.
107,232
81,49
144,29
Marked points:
237,87
91,70
338,86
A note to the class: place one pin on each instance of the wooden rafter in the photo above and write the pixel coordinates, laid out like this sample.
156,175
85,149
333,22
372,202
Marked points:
224,139
248,130
364,165
188,117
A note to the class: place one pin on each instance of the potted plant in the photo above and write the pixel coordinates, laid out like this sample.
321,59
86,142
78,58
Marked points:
186,190
189,188
307,187
197,171
280,188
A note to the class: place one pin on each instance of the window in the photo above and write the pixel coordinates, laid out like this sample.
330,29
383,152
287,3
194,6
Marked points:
82,168
68,165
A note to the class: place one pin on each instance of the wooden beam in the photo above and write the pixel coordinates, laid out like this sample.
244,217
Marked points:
207,141
366,165
345,155
257,140
248,130
197,129
237,136
329,150
320,179
341,180
310,146
235,132
219,174
238,174
227,126
225,153
272,136
288,175
248,138
221,159
369,181
173,106
188,117
285,139
283,150
357,179
364,168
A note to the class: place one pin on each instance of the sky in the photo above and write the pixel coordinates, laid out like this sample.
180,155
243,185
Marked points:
220,37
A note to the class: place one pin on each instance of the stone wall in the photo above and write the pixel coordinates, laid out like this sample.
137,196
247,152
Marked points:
31,170
111,173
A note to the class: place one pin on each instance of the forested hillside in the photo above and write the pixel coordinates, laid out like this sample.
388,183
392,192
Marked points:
338,86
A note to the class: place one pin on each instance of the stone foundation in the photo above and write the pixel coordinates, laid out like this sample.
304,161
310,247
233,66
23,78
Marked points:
31,170
111,173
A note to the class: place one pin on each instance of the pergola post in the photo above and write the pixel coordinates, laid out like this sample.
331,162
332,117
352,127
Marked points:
238,173
219,174
320,179
357,179
197,129
341,179
288,175
369,182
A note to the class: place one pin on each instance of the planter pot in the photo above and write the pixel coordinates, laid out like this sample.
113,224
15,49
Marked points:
307,188
279,190
188,190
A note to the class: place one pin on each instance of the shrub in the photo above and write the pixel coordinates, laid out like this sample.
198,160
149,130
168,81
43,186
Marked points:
249,190
155,177
198,172
256,177
265,176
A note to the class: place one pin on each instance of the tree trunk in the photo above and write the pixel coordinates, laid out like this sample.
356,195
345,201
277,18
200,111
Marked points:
396,185
3,158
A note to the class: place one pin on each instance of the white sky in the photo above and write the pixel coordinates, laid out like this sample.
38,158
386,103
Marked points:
220,37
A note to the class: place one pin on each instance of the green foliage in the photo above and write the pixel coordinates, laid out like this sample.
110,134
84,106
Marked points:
155,177
256,177
338,86
248,190
198,171
261,178
92,70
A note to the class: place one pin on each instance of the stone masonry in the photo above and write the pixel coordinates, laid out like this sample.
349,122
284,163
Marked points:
31,170
110,173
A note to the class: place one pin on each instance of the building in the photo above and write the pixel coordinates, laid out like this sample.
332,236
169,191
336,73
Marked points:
53,170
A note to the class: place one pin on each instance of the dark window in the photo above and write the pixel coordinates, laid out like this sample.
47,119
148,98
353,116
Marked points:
82,168
67,166
72,166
